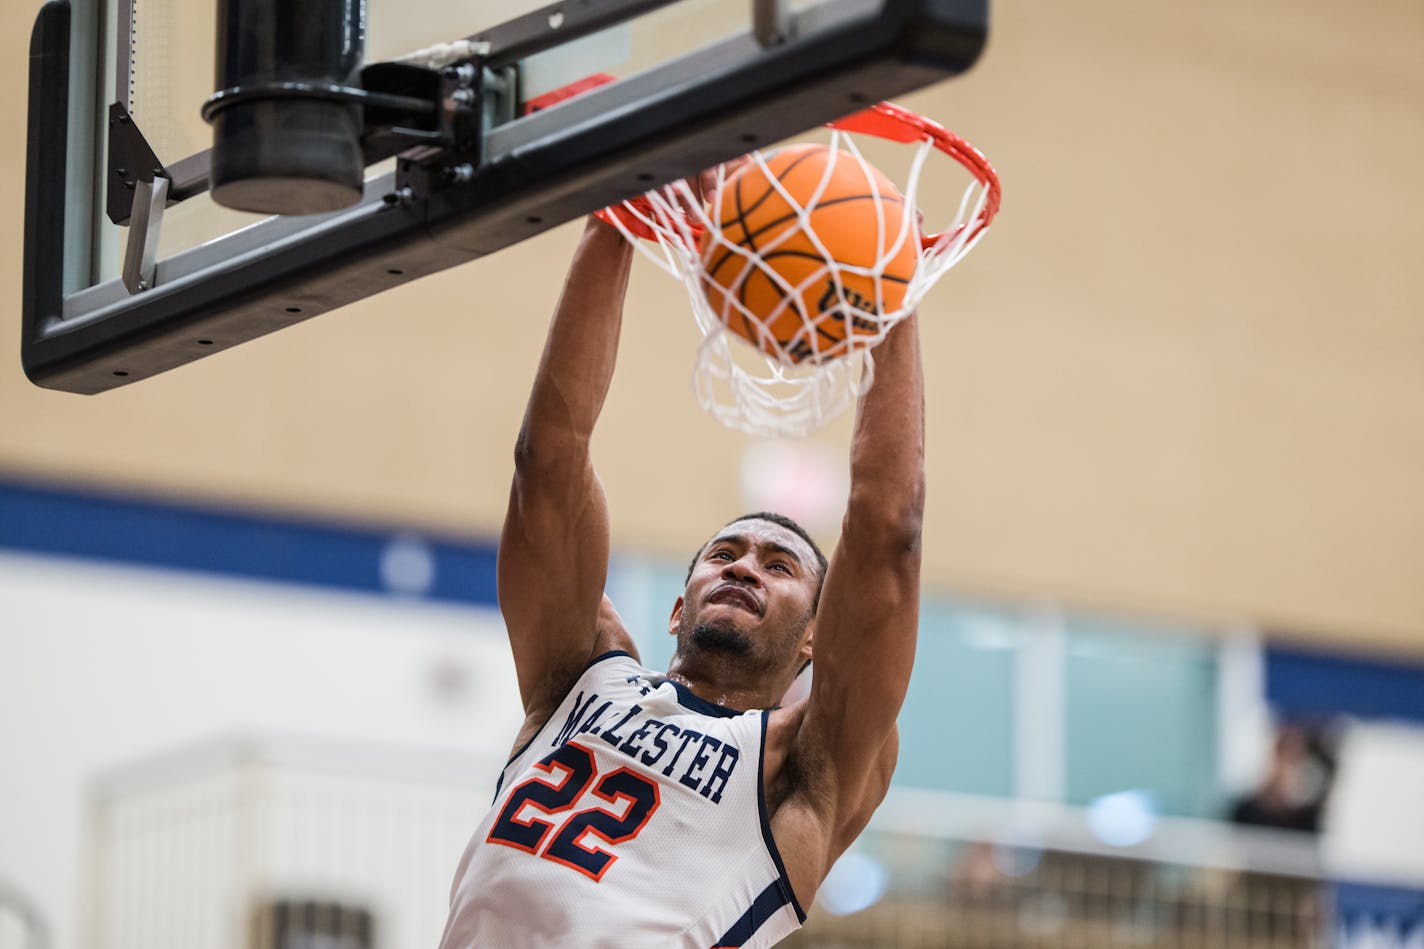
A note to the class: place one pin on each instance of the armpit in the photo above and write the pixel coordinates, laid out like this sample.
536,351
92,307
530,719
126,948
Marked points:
611,633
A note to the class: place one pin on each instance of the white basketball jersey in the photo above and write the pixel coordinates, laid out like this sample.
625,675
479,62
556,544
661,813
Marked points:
634,818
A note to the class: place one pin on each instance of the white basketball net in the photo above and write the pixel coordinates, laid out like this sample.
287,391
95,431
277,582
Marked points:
736,382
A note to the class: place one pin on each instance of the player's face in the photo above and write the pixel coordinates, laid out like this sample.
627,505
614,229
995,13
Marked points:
751,593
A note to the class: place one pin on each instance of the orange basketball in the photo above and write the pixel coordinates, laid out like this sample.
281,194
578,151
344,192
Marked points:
782,294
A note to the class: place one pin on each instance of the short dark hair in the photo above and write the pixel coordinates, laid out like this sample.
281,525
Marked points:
783,521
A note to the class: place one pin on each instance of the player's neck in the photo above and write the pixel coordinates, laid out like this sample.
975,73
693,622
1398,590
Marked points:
725,684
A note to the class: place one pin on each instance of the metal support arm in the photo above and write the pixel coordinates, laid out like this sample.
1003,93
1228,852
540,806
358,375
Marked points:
145,226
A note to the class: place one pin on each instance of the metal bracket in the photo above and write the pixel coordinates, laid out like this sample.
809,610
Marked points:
405,106
137,190
459,139
131,161
772,22
145,226
453,98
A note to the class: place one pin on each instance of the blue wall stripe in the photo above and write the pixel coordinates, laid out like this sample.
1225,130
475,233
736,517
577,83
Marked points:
1378,915
46,520
1317,683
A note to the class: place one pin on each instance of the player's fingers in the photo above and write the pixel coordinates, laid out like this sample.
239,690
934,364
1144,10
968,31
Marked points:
733,166
706,183
705,186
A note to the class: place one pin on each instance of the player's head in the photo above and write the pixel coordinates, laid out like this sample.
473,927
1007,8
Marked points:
782,521
751,595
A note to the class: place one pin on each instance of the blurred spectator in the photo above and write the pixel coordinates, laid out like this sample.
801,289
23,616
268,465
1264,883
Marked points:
976,873
1293,794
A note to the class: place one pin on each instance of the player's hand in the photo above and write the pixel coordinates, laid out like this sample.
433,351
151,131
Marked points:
693,201
704,184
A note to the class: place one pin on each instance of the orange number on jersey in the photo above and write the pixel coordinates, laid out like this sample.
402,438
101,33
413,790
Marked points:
555,798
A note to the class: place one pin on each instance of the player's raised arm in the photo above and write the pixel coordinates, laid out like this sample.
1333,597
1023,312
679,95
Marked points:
866,625
553,552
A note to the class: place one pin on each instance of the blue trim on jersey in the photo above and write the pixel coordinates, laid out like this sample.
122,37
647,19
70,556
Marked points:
499,784
764,907
690,700
608,655
783,881
523,748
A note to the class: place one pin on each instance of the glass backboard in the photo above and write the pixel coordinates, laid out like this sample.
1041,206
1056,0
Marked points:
143,271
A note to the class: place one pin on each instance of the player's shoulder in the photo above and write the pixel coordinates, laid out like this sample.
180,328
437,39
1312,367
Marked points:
785,720
814,812
613,643
783,727
800,809
799,769
612,633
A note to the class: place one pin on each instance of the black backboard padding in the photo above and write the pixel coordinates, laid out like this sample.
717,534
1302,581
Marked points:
46,147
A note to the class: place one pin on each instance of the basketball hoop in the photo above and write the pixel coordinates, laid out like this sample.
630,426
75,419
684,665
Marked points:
790,381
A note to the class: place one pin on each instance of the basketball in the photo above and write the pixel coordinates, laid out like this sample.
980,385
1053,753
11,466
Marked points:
797,283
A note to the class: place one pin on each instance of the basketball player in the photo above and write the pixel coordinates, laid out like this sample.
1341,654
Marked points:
687,809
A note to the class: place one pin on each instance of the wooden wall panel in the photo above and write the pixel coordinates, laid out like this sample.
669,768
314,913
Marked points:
1184,376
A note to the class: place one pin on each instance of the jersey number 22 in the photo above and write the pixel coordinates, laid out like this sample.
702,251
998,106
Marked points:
557,798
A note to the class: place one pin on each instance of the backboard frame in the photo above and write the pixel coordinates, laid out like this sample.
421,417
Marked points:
539,170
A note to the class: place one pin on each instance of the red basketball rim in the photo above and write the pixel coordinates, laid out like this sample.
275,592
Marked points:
883,120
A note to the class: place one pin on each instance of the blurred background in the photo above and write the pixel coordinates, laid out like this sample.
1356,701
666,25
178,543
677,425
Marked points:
254,690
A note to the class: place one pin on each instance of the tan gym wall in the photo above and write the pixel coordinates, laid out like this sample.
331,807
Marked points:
1183,376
